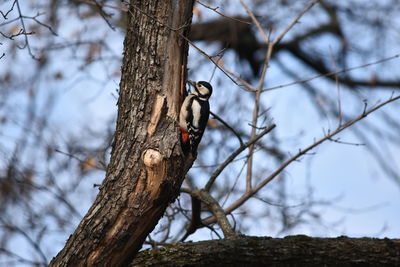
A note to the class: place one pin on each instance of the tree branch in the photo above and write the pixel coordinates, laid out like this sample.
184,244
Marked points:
301,152
233,156
265,251
217,210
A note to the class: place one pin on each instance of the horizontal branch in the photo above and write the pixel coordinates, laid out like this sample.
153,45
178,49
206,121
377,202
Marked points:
265,251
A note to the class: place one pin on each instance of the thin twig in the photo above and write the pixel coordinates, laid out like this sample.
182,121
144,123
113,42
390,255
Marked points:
332,73
221,14
34,18
209,57
96,166
24,28
220,54
233,156
288,28
93,3
104,15
256,108
10,10
337,140
245,85
227,126
256,22
338,93
231,191
12,36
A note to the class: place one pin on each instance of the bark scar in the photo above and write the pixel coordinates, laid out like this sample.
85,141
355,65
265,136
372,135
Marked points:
156,114
156,170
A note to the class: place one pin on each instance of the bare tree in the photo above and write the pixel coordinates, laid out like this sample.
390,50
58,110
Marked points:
238,158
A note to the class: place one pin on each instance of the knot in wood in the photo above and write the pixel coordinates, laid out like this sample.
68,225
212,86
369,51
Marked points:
152,158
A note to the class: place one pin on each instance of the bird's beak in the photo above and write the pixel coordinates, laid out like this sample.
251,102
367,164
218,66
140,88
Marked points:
192,83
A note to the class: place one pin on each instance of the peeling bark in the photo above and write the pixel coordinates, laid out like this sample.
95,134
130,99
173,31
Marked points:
146,168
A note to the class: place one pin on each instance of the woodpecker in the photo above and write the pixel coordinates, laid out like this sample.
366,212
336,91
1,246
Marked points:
194,115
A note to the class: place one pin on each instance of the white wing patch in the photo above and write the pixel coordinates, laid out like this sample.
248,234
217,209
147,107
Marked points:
196,113
183,113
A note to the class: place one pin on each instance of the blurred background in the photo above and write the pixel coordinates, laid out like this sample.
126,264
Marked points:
59,74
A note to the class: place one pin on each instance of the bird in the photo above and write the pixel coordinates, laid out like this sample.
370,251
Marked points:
193,116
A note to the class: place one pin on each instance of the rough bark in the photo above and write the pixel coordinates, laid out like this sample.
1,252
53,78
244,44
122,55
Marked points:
146,168
264,251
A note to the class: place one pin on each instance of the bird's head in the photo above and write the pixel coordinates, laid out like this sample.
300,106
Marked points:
202,89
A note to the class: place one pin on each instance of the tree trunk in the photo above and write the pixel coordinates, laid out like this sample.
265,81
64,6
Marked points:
265,251
147,167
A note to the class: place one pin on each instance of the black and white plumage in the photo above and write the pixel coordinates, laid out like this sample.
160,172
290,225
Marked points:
194,115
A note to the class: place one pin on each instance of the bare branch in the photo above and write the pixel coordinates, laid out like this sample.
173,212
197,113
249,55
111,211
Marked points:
245,85
256,107
217,210
12,36
337,140
24,28
96,166
103,14
233,156
288,28
93,3
10,10
300,153
228,126
256,22
34,18
215,9
333,73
